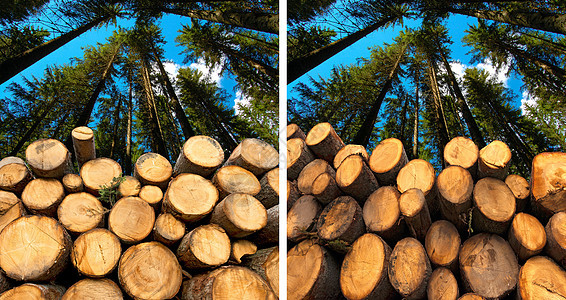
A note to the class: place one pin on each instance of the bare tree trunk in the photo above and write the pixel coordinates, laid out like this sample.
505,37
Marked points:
416,125
128,160
115,129
159,141
444,134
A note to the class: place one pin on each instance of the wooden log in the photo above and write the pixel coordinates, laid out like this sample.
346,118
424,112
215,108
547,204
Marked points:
381,213
5,283
541,278
34,291
442,285
190,197
229,282
80,212
11,208
168,230
364,270
294,131
387,159
200,155
488,266
131,219
270,233
548,183
312,272
298,156
130,186
324,142
325,189
149,271
204,247
494,160
83,144
96,253
240,215
521,190
494,206
48,158
420,174
293,193
255,156
241,248
14,174
340,223
302,218
151,194
73,183
463,152
235,179
100,173
350,150
355,178
34,248
269,193
309,174
471,296
526,236
556,238
409,269
43,195
153,169
442,244
94,289
265,262
413,208
455,186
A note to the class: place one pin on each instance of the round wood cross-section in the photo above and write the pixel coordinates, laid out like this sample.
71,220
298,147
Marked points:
203,247
455,186
463,152
240,215
73,183
32,291
298,156
235,179
151,194
310,172
83,144
43,195
168,229
301,218
494,206
153,169
99,173
520,188
94,289
526,236
387,159
409,269
541,278
442,285
341,220
350,150
14,174
324,142
190,197
200,155
381,212
80,212
48,158
130,186
255,156
442,244
494,160
294,131
556,238
96,253
131,219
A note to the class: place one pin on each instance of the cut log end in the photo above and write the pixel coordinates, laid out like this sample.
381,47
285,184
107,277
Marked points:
200,155
190,197
203,247
48,158
324,142
541,278
463,152
235,179
167,229
387,159
240,215
73,183
548,179
153,169
100,289
130,186
241,248
294,131
409,269
131,219
96,252
255,156
80,212
100,173
494,160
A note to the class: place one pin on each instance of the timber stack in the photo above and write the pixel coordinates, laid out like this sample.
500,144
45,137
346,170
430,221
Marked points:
203,227
380,226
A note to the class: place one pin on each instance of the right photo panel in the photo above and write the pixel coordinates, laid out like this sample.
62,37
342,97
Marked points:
425,149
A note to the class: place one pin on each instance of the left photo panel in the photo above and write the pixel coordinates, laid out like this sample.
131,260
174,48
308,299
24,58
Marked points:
139,149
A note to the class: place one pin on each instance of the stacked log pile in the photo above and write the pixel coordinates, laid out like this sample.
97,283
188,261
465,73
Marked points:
205,227
378,226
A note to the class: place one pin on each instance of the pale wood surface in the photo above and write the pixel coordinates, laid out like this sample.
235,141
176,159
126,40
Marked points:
168,229
255,156
455,186
203,247
99,173
409,269
548,182
83,144
80,212
43,195
298,156
541,278
526,236
131,219
324,142
442,285
494,206
130,186
14,174
94,289
350,150
73,183
302,217
200,155
463,152
235,179
442,244
96,253
387,159
48,158
494,160
190,197
240,215
153,169
241,248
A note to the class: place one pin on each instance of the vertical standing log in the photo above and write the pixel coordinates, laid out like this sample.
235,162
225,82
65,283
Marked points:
96,253
73,183
409,269
494,160
324,142
83,144
541,278
526,236
200,155
420,174
413,208
190,197
340,223
80,212
48,158
99,173
381,213
548,183
350,150
240,215
302,218
442,244
298,156
463,152
255,156
43,195
355,178
153,169
294,131
520,188
455,186
14,174
442,285
310,172
556,238
494,206
387,159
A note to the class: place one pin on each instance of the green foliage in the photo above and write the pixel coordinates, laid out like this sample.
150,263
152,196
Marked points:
109,193
15,40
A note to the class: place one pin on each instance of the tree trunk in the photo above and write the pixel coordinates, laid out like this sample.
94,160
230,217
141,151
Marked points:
33,127
416,125
15,65
261,67
128,160
444,136
115,129
157,133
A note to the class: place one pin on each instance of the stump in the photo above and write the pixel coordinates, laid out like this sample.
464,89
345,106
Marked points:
80,212
34,248
48,158
129,187
521,190
241,248
14,174
152,195
200,155
96,253
190,197
34,291
204,247
11,208
131,219
494,160
265,262
455,186
325,189
463,152
364,270
73,183
494,206
269,193
413,208
168,230
43,195
420,174
381,213
83,144
387,159
310,172
149,271
340,223
541,278
298,156
556,238
93,289
235,179
240,215
229,282
526,236
294,131
302,218
409,269
99,173
312,273
270,233
548,183
355,178
153,169
255,156
442,244
488,266
324,142
442,285
350,150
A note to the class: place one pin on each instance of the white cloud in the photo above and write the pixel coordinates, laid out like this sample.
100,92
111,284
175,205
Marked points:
527,100
500,74
241,100
172,69
210,74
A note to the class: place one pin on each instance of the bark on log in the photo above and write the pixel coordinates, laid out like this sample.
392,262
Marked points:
255,156
151,194
548,183
340,223
265,262
83,144
442,285
298,156
34,291
364,270
324,142
556,238
310,172
294,131
302,218
488,266
204,247
494,160
153,169
235,179
381,213
200,155
73,183
270,233
190,197
240,215
463,152
413,208
355,178
409,269
129,187
420,174
14,174
241,248
494,206
350,150
293,193
94,289
455,186
325,189
168,230
48,158
96,253
80,212
150,271
131,219
521,190
387,159
526,236
541,278
442,244
11,208
269,193
99,173
43,195
34,248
